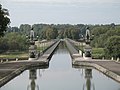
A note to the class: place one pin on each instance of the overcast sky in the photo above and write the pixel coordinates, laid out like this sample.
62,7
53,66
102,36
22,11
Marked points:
63,11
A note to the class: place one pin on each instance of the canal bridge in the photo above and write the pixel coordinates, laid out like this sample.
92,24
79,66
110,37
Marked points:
9,70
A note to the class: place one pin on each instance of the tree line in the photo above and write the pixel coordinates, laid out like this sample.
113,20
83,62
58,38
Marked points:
51,31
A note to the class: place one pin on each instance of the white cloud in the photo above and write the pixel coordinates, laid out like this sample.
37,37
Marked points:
69,1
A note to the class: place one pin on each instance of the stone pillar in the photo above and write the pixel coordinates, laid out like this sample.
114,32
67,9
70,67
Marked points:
118,59
112,58
80,52
32,52
1,60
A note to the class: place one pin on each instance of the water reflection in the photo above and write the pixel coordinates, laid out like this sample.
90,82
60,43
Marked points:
61,49
33,77
88,76
95,80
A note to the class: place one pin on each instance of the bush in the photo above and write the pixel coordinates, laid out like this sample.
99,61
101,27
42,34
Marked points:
112,48
98,53
13,42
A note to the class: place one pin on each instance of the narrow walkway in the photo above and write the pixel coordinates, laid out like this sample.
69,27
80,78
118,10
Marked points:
48,54
73,51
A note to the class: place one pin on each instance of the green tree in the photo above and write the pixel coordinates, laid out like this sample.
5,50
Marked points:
15,29
55,33
4,20
74,34
65,34
43,34
25,29
51,33
13,42
16,41
112,47
4,44
60,34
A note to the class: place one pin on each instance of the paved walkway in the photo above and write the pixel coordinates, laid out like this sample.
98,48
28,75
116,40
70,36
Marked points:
110,65
71,48
48,54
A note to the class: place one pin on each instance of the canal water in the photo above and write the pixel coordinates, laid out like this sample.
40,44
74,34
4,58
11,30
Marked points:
61,76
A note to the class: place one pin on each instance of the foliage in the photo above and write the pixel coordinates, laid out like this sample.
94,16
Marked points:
56,31
107,36
112,47
13,42
25,29
4,20
14,55
98,53
51,33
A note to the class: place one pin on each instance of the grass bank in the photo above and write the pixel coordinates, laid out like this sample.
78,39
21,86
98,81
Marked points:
12,55
98,53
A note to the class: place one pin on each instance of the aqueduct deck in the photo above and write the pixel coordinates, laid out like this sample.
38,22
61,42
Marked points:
9,70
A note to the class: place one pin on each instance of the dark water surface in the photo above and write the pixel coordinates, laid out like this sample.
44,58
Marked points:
61,76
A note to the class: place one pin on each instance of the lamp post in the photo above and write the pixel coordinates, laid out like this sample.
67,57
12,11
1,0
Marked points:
79,40
82,43
38,45
32,48
87,48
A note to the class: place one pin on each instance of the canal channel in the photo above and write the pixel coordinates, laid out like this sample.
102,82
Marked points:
61,76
